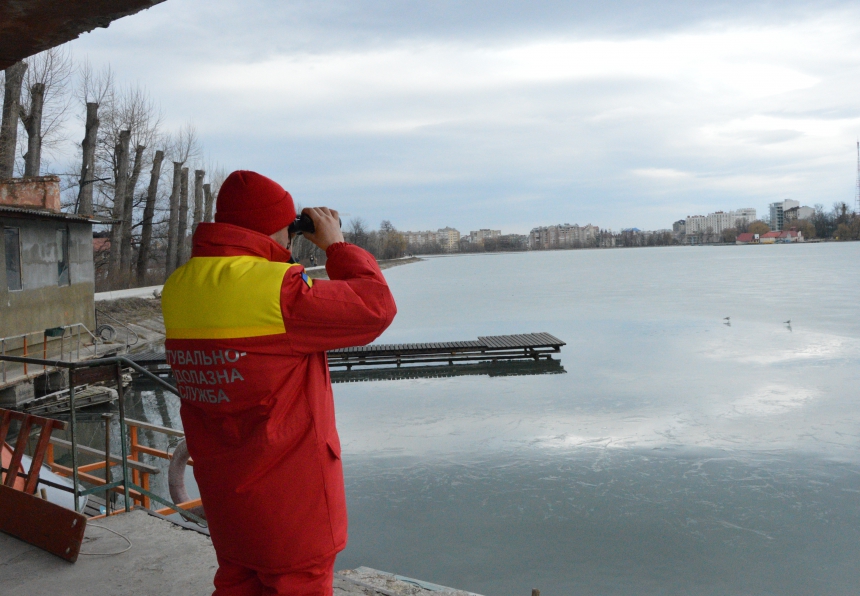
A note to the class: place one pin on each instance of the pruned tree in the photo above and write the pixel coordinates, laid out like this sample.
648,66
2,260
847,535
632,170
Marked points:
182,254
131,110
143,253
121,184
184,147
198,199
13,79
217,175
45,103
94,90
128,212
209,200
173,221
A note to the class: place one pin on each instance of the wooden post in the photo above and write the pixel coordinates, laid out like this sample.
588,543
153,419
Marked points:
535,592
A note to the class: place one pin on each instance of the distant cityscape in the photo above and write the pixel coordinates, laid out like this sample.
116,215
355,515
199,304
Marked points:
785,221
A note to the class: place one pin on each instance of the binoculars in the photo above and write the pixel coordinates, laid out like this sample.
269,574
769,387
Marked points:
304,224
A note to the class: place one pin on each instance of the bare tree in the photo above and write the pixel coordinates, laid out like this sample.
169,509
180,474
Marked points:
148,215
185,147
207,193
173,220
121,153
14,78
131,110
44,87
182,253
94,90
217,175
198,199
357,233
128,212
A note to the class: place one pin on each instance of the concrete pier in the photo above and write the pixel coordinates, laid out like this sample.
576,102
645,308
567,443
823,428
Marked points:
162,559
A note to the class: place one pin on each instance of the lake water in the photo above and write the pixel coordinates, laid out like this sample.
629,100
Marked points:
681,453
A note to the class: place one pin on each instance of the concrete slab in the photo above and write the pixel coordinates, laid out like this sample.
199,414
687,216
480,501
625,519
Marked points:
147,292
162,559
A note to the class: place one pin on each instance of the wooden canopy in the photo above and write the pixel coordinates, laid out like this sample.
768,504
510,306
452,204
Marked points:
28,27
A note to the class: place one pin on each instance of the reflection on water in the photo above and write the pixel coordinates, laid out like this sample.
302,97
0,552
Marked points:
490,369
678,455
597,521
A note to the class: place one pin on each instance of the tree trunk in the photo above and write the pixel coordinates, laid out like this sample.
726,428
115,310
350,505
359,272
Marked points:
9,124
116,230
33,126
173,222
198,199
148,214
128,215
88,170
182,253
207,192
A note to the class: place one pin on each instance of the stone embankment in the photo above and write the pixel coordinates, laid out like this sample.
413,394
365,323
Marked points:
137,312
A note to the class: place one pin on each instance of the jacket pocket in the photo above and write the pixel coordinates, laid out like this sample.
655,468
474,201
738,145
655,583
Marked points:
333,446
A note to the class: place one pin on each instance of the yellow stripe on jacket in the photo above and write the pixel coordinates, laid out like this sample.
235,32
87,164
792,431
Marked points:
224,298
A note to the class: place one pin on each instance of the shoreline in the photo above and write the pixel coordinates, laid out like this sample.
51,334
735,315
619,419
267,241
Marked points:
139,309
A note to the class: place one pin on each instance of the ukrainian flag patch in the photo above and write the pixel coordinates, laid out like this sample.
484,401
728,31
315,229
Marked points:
307,279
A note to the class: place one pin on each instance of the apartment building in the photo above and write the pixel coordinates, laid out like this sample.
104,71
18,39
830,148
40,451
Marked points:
478,237
777,213
448,239
714,224
563,236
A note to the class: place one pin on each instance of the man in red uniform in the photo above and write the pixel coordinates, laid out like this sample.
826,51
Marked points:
247,332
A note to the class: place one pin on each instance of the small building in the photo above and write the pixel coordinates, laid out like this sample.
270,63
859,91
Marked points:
792,235
47,280
747,238
771,237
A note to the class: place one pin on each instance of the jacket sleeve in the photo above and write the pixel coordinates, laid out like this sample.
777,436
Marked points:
352,308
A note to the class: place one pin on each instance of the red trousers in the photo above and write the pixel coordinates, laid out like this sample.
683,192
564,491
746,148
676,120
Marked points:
314,580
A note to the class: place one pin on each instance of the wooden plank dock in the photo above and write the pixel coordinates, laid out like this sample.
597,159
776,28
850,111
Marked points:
532,347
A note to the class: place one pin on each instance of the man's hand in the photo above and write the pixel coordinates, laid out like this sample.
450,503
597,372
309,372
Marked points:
326,226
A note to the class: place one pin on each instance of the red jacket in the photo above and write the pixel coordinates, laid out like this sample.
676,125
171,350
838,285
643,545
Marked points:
247,334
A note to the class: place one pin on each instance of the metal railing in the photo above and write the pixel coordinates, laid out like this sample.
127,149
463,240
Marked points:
22,343
127,483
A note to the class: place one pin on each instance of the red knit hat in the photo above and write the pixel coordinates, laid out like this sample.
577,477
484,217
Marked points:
252,201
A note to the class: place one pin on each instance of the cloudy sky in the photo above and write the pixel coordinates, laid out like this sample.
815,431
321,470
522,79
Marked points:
511,114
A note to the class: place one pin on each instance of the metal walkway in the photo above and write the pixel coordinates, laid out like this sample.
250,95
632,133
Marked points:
493,348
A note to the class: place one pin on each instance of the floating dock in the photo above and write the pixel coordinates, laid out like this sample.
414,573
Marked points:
492,349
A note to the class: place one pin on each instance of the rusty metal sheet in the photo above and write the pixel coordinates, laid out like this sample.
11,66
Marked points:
95,374
41,523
